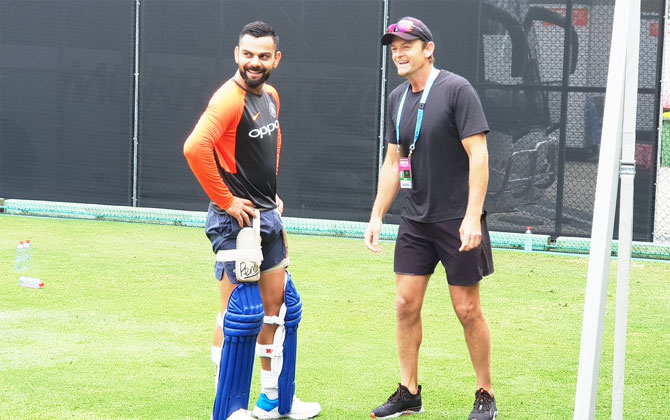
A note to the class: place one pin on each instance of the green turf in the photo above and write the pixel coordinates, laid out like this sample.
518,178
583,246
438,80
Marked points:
123,327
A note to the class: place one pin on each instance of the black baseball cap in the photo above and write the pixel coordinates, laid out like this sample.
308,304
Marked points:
407,28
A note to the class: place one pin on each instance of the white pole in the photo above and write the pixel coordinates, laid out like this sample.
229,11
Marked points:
627,175
382,94
136,105
603,221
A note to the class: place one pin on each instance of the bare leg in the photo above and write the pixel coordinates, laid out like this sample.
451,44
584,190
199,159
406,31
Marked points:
467,306
225,290
272,293
410,291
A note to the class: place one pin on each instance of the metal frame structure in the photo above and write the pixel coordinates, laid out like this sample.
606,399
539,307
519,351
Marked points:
617,160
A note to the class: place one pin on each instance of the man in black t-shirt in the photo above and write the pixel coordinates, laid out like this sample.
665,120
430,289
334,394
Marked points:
437,150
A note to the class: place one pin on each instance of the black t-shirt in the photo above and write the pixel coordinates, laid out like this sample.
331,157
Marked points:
440,164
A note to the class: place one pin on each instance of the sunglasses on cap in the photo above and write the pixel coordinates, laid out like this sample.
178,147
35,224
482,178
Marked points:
406,26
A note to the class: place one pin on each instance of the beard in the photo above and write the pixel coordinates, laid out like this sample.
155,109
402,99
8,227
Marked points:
254,83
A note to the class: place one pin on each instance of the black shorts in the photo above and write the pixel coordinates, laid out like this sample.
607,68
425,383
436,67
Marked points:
222,230
421,245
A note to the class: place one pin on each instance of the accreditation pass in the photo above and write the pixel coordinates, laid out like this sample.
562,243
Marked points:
405,171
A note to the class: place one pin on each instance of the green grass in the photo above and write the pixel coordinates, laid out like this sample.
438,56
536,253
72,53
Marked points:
123,327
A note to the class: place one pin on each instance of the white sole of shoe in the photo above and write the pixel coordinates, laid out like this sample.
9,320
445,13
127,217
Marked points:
262,414
240,414
303,416
494,416
402,413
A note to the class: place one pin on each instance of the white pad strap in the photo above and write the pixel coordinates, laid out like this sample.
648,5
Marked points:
269,350
216,350
276,319
216,356
274,351
276,348
226,255
216,359
219,319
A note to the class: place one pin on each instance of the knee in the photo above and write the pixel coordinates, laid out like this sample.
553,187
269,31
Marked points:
272,305
406,307
468,313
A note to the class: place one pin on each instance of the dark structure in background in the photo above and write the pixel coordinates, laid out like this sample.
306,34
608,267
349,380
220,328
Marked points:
328,82
67,100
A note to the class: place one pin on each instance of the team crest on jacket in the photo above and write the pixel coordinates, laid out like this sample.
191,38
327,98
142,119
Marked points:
273,110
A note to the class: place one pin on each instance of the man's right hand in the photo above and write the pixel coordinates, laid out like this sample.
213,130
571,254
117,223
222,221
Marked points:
372,234
241,210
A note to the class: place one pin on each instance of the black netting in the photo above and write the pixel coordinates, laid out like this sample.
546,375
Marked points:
327,81
66,121
544,102
65,102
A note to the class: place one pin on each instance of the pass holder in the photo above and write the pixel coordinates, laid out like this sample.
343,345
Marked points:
405,163
405,172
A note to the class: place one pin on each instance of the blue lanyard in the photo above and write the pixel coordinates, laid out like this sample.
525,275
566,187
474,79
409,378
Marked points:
419,113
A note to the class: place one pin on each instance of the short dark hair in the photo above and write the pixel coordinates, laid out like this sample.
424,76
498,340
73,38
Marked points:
259,29
432,56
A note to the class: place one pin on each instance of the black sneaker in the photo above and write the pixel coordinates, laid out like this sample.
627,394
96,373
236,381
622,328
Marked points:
484,407
401,403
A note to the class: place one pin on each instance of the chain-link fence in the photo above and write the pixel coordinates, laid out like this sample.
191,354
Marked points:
662,193
572,80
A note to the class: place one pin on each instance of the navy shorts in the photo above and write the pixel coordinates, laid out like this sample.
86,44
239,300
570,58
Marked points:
420,246
222,230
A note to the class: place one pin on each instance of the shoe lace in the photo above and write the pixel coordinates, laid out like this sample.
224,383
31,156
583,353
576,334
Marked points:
483,401
395,396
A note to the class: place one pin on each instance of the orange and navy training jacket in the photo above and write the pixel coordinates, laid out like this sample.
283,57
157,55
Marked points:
234,148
